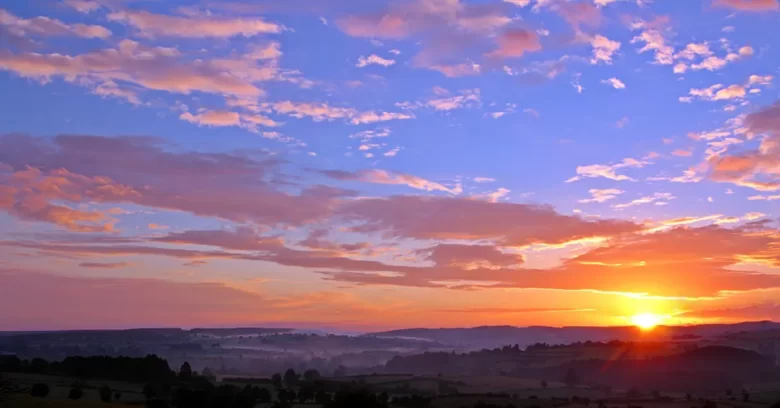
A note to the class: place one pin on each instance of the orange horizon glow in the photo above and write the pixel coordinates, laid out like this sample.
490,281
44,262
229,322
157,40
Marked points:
647,321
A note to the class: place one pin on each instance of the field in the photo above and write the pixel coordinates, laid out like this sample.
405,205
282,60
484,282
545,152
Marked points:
496,390
59,387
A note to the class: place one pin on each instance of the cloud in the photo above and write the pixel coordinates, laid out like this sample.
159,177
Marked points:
466,98
515,43
450,33
374,59
656,198
105,265
608,171
195,26
758,169
484,180
749,5
519,3
601,196
213,118
153,68
603,49
654,41
138,170
614,82
465,218
676,256
319,112
682,153
718,93
759,312
392,152
764,197
219,118
470,257
83,6
45,26
387,177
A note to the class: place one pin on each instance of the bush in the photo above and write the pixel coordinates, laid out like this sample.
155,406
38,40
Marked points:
75,393
40,390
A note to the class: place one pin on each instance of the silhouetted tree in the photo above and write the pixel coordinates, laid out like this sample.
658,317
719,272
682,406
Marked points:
359,398
322,398
75,393
311,375
117,396
290,377
105,393
38,366
688,397
306,393
544,384
263,395
276,380
185,372
39,390
745,395
286,396
208,374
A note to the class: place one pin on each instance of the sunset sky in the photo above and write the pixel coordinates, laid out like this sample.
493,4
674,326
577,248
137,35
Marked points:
367,165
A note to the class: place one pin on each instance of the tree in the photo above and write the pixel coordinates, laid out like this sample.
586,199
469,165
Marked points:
276,380
322,398
185,372
745,395
306,393
209,375
39,390
311,375
263,395
290,377
117,396
544,384
105,393
286,396
75,393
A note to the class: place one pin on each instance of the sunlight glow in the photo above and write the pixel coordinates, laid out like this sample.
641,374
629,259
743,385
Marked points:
646,321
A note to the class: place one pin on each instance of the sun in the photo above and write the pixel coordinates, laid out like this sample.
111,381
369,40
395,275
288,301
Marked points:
646,321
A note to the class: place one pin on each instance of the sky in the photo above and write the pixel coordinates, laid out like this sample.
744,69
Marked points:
384,164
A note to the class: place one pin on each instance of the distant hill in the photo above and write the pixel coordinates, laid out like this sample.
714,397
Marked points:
497,336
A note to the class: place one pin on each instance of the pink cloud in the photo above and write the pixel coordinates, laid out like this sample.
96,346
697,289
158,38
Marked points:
749,5
464,218
386,177
151,25
45,26
515,43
